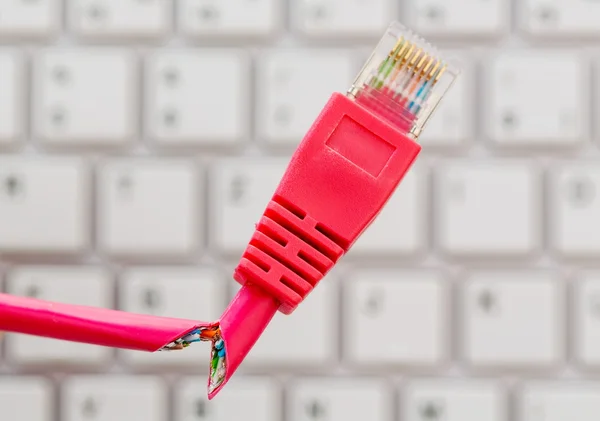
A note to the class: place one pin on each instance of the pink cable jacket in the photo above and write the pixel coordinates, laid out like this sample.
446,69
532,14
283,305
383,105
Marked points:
241,325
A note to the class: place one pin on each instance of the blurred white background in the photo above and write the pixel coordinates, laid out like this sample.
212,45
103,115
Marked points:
141,139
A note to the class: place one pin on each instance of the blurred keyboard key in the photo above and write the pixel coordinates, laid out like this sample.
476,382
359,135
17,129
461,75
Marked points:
198,96
400,227
247,398
120,18
84,97
472,18
454,400
513,320
339,18
11,100
386,304
451,124
149,207
586,320
234,18
306,338
70,285
560,18
114,397
44,205
574,210
488,208
29,19
240,191
293,87
554,401
26,398
339,399
537,98
193,294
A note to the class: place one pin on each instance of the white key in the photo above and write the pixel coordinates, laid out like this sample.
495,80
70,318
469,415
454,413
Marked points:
247,398
559,401
11,100
120,18
110,398
149,207
454,400
198,96
451,124
537,98
335,18
283,343
586,320
400,227
44,204
240,192
83,286
386,304
488,208
193,294
85,96
513,320
340,399
459,17
293,87
29,18
26,398
575,205
234,18
555,18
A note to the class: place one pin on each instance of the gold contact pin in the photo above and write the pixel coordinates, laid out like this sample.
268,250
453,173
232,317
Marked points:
433,71
401,59
414,58
426,67
402,52
417,62
397,61
440,73
397,47
419,68
406,57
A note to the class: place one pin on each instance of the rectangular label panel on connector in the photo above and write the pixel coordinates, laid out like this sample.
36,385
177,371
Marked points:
360,146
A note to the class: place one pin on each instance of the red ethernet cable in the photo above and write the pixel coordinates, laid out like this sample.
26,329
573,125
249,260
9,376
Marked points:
342,174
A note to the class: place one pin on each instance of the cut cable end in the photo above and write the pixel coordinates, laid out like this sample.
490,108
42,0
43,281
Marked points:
218,359
232,336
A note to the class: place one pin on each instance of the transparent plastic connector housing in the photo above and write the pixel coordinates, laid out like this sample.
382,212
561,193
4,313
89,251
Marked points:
404,80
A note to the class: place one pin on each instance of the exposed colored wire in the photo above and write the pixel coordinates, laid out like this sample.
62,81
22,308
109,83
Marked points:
218,363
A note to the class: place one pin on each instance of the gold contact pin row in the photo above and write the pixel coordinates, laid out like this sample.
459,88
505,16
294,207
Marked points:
406,56
412,59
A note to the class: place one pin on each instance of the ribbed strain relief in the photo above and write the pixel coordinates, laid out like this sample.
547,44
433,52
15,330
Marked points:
289,253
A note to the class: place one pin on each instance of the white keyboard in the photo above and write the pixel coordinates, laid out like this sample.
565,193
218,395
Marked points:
141,139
